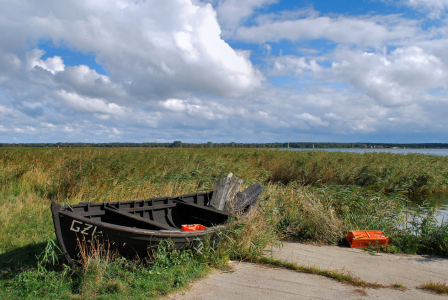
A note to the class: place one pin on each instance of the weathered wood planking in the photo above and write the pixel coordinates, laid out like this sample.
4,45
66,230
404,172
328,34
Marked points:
250,207
220,193
235,184
226,196
247,197
225,191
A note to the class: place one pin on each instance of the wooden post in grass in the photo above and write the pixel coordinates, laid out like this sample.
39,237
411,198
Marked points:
227,196
246,198
235,184
225,191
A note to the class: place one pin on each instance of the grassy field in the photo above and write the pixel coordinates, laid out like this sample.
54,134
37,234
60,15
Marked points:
310,196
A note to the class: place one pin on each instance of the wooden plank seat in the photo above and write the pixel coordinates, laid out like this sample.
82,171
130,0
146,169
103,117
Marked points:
130,216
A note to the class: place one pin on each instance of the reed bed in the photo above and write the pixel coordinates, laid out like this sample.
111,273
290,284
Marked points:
311,197
410,173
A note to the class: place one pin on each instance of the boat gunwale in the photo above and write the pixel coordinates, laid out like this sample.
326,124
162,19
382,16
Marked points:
148,199
160,232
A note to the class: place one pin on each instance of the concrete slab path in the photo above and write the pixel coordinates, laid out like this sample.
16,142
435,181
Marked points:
382,268
252,281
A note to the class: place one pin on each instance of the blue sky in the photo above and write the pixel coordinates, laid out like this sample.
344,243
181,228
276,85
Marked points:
223,71
71,56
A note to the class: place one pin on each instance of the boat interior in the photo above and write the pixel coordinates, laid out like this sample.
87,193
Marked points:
151,214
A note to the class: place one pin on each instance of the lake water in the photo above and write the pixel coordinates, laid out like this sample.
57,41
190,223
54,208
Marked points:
439,201
439,152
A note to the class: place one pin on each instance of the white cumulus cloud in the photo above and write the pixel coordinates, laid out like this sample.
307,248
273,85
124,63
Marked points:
163,48
52,64
311,120
403,76
170,70
373,30
231,13
290,64
434,8
91,105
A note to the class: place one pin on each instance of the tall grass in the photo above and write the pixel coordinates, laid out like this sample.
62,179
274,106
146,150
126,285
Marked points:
411,173
309,196
92,173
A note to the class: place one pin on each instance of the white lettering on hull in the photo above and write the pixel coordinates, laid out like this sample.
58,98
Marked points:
77,226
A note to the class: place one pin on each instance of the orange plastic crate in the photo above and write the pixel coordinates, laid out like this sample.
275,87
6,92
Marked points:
193,227
362,238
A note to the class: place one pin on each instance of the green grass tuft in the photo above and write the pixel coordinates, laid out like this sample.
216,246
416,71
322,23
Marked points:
338,276
439,288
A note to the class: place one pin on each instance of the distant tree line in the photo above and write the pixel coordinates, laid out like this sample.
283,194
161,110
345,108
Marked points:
180,144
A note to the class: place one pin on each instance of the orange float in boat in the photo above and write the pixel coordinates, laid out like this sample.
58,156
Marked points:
362,238
193,227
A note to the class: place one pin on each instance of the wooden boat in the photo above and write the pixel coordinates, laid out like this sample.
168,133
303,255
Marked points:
131,227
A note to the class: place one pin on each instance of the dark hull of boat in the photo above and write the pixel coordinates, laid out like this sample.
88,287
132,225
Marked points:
133,227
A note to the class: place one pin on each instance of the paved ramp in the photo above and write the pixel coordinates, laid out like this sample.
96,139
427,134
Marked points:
382,268
252,281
